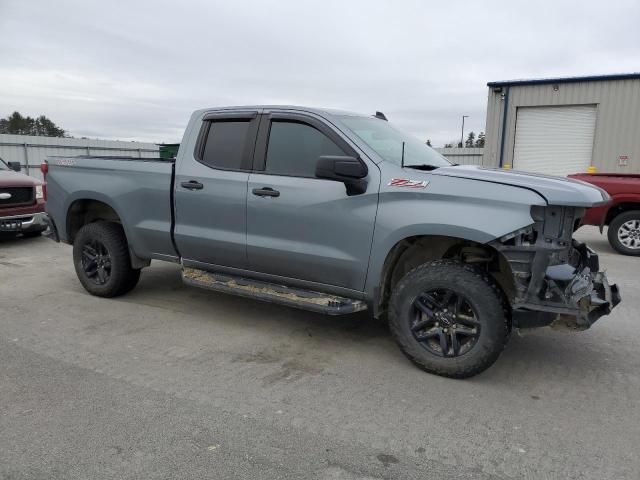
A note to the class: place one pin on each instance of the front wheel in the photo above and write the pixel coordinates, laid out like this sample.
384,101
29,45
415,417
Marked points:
101,259
449,319
624,233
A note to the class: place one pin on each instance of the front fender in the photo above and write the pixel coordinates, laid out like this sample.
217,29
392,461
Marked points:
481,221
619,199
603,214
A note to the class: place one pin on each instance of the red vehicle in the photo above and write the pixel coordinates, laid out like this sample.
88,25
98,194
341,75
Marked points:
21,202
622,214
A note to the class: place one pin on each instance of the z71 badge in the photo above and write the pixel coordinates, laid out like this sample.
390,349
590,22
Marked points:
66,162
403,182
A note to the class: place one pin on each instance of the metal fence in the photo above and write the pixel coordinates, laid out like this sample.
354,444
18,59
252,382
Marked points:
463,156
30,151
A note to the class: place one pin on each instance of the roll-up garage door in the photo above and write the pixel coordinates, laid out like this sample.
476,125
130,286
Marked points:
554,140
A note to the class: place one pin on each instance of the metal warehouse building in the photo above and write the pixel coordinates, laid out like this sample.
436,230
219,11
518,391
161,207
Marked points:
560,126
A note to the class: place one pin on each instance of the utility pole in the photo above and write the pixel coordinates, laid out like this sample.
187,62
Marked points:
462,136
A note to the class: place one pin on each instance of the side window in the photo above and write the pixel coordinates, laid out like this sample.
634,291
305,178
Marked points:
224,145
294,149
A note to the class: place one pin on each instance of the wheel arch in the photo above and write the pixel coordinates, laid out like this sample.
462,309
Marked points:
411,251
82,211
93,208
621,206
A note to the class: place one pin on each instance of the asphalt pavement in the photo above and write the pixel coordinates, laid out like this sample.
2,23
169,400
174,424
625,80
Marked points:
175,382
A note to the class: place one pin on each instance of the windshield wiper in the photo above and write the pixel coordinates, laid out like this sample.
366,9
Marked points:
423,166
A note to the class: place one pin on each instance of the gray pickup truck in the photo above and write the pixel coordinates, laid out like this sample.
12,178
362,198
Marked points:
337,212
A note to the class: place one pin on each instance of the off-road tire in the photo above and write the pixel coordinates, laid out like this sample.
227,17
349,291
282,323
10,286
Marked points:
612,232
482,293
122,278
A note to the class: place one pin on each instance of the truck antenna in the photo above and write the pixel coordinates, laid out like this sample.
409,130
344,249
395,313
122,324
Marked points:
402,158
381,116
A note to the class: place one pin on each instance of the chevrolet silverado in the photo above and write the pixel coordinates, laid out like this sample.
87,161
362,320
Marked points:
337,212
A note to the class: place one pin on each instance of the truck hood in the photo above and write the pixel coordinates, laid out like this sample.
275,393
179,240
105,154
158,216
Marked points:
555,190
9,178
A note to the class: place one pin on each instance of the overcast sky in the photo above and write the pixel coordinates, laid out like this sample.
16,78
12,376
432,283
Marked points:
136,69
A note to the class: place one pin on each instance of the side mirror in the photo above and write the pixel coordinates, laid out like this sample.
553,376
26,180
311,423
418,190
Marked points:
340,168
15,166
349,170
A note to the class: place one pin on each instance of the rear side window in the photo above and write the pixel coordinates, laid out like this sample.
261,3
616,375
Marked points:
224,145
294,149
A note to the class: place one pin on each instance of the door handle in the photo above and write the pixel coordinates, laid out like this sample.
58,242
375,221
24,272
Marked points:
192,185
265,192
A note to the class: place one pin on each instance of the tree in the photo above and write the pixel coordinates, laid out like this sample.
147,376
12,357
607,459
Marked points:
470,141
46,128
429,142
480,140
16,124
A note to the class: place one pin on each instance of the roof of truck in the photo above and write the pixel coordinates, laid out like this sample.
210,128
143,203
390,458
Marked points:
316,110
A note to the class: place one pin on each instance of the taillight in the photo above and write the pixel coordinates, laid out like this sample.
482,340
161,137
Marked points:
44,168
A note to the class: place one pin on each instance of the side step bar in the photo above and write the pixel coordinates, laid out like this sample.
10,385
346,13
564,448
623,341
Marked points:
271,292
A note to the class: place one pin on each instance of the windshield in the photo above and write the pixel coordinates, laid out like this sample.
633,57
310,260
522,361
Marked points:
386,141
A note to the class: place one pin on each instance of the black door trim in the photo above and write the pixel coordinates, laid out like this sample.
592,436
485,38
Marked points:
262,140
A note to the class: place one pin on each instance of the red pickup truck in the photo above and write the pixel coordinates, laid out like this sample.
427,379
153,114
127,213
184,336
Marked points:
622,214
21,202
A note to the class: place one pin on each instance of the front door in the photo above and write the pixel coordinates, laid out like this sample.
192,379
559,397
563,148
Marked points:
300,226
211,191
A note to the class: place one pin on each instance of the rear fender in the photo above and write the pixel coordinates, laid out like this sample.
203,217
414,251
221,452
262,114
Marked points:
86,195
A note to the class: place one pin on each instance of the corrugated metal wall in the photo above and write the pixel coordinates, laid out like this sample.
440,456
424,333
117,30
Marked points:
617,124
463,156
30,151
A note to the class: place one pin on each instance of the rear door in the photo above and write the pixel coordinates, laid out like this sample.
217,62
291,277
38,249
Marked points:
299,226
211,191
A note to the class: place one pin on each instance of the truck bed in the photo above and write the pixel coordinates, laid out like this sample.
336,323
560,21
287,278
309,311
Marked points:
140,191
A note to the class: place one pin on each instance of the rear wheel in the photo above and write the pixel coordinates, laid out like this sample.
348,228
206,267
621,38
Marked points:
101,259
624,233
449,319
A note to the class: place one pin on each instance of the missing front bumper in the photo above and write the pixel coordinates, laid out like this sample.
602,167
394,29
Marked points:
570,298
601,301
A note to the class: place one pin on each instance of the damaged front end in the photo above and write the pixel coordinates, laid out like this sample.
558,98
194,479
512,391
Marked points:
557,279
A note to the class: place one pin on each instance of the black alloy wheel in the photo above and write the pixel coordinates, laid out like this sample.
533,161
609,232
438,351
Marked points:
444,323
96,262
449,318
102,260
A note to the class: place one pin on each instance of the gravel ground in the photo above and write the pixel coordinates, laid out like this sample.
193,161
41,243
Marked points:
174,382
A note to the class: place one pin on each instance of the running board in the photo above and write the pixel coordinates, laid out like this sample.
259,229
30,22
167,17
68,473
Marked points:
272,292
